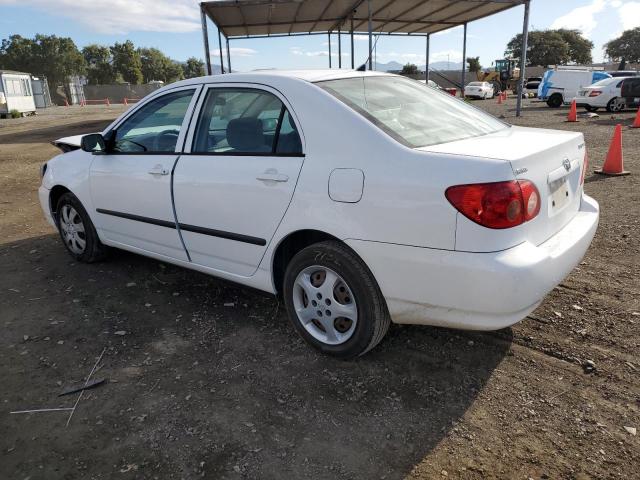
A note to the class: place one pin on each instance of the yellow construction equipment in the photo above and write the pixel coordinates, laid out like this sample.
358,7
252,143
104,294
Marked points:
505,76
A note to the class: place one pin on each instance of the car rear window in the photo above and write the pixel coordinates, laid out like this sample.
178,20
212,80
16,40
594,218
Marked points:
410,112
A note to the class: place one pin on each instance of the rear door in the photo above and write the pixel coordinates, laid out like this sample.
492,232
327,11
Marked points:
233,184
131,184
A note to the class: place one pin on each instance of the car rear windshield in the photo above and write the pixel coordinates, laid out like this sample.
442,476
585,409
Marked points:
410,112
605,82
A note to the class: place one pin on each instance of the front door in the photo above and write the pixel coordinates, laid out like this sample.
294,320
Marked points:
131,183
234,185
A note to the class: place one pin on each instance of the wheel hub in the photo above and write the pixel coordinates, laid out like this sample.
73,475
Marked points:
325,305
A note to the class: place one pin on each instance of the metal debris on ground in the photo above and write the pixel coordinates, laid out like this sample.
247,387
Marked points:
86,386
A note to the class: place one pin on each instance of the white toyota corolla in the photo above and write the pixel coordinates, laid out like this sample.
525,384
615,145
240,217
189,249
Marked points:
362,198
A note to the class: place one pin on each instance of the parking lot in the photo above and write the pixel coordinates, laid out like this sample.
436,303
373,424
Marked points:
206,379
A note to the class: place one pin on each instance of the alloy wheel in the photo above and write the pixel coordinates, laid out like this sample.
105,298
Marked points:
325,305
72,229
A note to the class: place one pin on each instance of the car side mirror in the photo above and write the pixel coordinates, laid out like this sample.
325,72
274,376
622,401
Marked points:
92,143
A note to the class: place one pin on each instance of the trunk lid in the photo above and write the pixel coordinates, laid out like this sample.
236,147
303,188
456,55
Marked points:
551,159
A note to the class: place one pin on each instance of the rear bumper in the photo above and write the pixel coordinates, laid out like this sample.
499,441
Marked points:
590,102
477,291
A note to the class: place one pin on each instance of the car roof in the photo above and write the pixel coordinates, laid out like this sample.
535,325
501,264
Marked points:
261,76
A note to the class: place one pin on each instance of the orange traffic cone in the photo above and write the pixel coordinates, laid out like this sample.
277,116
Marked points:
500,98
636,124
613,165
573,112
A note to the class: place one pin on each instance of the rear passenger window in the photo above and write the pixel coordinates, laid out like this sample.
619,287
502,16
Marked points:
245,121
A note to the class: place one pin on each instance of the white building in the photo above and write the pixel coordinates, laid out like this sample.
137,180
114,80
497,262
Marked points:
16,93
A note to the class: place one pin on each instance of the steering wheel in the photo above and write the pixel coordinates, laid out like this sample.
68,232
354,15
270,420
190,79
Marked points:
165,141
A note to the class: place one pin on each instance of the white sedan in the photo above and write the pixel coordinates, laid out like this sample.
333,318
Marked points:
361,198
481,90
602,94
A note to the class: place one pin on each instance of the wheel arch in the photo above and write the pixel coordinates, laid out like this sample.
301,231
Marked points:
54,195
289,246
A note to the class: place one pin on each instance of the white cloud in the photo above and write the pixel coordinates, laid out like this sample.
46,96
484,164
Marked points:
123,16
581,18
450,55
242,52
319,53
629,15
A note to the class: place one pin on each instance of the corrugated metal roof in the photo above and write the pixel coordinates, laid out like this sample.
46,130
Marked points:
246,18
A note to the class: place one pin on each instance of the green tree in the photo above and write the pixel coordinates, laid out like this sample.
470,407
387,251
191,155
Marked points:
99,68
626,46
54,57
193,68
579,47
127,62
173,72
552,47
409,69
157,66
474,64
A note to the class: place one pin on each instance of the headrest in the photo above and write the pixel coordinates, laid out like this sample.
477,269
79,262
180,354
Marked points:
245,134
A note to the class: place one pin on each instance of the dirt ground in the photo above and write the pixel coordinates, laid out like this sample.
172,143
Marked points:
207,379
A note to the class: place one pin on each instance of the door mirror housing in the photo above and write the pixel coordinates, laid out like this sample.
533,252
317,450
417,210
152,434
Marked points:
93,143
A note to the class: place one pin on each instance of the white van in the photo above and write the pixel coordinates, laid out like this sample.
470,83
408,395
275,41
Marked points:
559,86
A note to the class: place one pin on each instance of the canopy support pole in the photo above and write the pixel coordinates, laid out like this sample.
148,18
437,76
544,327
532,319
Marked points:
523,57
464,60
329,40
339,48
370,36
353,60
228,54
205,37
426,68
220,49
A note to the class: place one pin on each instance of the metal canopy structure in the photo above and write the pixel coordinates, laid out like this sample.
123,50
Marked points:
241,19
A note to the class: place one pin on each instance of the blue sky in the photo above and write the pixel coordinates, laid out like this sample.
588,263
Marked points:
173,26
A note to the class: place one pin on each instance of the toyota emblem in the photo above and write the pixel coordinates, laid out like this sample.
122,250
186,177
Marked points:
566,164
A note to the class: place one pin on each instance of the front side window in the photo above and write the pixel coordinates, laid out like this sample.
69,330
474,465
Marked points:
409,112
155,127
245,121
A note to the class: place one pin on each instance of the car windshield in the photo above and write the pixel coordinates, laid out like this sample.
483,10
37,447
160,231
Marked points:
411,113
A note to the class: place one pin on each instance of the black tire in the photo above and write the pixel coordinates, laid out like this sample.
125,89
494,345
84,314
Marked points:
94,250
589,108
555,100
611,106
373,318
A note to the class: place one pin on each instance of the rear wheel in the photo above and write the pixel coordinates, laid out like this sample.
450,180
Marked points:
615,105
555,100
77,231
333,301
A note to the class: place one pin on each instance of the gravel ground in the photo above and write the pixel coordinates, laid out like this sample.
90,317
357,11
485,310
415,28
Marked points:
206,379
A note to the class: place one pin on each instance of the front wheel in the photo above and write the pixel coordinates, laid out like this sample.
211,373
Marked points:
333,301
77,231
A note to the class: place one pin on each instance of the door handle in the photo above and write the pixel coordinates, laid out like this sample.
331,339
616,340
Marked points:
269,176
158,170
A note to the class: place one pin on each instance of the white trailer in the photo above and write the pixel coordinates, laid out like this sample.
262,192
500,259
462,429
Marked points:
16,93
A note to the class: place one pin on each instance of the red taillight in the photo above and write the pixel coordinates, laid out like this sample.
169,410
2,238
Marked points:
498,204
585,165
594,93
